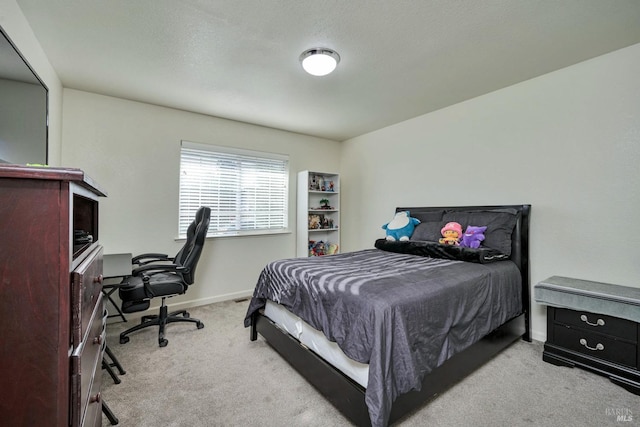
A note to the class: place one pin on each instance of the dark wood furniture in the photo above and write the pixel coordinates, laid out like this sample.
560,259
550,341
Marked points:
52,318
602,343
349,397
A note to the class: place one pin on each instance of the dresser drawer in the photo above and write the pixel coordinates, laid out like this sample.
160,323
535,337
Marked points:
596,345
86,365
86,288
599,323
93,413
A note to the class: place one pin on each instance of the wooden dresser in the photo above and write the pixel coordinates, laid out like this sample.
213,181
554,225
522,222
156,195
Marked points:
52,316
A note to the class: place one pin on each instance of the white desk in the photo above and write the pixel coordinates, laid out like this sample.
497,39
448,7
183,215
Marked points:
115,266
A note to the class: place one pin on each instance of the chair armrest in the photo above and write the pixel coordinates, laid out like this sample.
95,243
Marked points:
151,269
149,258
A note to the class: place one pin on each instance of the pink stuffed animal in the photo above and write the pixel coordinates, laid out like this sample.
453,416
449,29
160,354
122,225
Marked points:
451,232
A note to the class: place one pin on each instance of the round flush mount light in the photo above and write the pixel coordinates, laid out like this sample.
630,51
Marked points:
319,61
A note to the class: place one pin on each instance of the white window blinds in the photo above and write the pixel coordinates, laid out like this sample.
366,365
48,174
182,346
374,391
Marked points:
246,190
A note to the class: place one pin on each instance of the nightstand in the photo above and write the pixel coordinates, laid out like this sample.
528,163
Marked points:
594,326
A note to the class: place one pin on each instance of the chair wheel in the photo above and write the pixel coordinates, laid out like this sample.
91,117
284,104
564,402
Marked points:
200,325
124,340
163,342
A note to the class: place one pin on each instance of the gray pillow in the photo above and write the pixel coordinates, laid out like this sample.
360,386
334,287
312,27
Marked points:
430,216
428,231
499,222
429,227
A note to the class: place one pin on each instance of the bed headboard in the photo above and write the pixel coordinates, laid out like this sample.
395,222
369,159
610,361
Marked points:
519,243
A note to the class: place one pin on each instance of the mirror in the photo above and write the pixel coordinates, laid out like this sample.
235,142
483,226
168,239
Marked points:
23,108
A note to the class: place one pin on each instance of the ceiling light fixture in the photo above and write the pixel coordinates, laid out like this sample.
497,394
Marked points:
319,61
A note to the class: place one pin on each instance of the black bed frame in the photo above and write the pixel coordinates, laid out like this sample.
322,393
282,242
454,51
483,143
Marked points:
348,396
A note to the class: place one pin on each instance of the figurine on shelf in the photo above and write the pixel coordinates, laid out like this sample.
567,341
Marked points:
314,222
322,248
313,183
316,248
331,186
325,222
331,249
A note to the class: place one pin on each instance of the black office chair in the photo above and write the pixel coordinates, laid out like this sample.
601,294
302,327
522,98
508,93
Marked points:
164,279
179,258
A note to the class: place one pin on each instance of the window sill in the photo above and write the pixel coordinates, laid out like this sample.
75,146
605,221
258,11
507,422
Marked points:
217,235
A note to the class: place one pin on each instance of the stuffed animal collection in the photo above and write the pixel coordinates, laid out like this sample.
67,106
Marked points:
451,233
401,226
473,236
321,248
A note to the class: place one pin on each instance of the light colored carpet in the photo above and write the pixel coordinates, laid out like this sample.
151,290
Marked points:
216,377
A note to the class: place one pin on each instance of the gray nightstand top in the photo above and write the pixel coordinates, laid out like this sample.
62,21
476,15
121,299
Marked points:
594,297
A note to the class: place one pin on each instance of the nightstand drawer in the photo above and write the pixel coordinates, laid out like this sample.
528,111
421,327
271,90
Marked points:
599,323
596,345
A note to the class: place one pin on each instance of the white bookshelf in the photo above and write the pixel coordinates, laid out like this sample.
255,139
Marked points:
316,222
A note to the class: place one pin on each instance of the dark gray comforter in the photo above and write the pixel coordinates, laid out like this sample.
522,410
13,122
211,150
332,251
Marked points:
404,315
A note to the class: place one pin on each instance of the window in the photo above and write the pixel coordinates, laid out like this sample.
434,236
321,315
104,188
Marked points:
246,190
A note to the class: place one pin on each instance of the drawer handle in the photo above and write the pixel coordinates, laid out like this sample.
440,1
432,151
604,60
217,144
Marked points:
596,348
585,319
95,398
98,279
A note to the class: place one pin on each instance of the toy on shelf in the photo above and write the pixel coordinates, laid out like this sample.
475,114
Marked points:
321,248
324,204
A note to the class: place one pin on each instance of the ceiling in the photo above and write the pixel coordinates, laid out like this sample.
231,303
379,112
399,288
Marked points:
238,59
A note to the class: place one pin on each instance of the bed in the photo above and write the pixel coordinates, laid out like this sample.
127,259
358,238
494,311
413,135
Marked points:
381,331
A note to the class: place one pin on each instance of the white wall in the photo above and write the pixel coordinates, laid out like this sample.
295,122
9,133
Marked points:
132,149
16,26
567,142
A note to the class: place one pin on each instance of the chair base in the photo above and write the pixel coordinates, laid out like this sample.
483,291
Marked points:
160,320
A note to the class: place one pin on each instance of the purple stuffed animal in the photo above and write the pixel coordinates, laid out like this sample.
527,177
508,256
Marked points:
472,237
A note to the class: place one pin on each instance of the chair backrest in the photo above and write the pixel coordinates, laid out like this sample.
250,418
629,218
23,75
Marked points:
191,235
192,253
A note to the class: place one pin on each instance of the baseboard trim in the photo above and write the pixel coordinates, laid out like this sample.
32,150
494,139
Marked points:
184,305
539,335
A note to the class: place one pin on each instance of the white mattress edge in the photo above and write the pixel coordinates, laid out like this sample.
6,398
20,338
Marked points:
316,341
